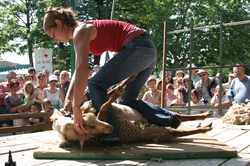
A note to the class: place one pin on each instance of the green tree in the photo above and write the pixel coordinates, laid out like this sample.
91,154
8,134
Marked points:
21,29
151,14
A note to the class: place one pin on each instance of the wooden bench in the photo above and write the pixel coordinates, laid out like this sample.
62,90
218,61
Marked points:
13,129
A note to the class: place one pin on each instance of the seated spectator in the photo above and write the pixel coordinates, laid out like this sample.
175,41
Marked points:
240,86
180,73
229,82
185,90
21,82
41,85
206,86
36,121
14,101
28,77
32,71
194,76
179,91
47,107
57,73
64,82
185,82
152,95
4,91
170,96
29,93
195,100
95,70
159,85
53,93
175,103
224,100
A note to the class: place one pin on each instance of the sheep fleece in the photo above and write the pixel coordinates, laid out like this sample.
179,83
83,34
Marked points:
131,131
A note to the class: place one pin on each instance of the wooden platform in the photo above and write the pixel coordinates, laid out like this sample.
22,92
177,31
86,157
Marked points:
195,146
218,147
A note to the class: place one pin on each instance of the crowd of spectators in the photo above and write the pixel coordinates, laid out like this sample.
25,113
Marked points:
32,92
204,89
44,91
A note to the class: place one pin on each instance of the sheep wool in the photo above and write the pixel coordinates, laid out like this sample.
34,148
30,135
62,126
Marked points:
131,131
238,114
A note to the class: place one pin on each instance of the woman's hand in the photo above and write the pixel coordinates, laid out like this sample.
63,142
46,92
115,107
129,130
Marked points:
67,104
78,120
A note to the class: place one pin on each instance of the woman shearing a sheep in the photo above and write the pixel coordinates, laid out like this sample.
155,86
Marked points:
136,54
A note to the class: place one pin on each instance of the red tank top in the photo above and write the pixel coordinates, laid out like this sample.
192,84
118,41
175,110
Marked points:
112,35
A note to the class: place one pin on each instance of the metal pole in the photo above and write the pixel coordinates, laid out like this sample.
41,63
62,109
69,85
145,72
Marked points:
163,88
221,58
190,61
113,9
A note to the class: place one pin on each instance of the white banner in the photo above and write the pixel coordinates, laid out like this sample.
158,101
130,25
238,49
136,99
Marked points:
42,59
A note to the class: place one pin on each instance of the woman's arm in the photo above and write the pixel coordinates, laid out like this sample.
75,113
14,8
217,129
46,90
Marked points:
82,37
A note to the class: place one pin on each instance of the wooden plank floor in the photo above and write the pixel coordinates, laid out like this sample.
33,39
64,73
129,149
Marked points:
23,147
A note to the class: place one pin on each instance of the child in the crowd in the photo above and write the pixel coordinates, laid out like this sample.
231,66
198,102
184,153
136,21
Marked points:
225,101
195,100
35,121
153,95
29,92
170,96
47,107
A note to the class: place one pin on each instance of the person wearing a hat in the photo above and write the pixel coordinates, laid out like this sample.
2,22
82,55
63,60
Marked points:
206,86
193,73
227,85
52,93
175,103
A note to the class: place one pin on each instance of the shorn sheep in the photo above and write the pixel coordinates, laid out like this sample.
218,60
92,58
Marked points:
129,130
238,114
132,126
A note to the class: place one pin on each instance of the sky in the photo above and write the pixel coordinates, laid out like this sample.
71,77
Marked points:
13,57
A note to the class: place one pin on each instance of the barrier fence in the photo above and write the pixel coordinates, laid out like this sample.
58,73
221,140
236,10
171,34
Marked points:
13,129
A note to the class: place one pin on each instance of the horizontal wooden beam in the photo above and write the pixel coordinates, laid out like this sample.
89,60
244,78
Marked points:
24,115
25,128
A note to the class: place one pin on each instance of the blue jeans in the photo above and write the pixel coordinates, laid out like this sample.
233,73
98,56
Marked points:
138,56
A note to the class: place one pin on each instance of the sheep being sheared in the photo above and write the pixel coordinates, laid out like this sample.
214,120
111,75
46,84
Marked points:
65,127
132,126
129,130
238,114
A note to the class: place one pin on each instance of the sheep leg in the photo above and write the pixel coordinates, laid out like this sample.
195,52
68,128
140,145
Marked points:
181,132
114,94
201,116
125,82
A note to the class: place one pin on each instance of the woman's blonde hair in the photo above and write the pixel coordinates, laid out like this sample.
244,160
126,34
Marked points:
27,84
66,15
